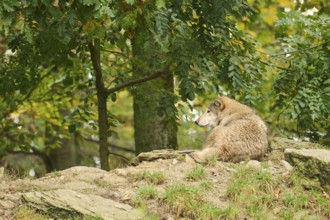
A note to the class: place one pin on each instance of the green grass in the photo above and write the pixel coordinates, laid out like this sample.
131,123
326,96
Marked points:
197,173
206,185
255,193
24,212
101,183
210,161
156,178
56,173
212,212
187,201
144,193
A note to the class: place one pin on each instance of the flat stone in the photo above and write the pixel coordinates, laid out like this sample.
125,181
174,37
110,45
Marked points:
284,143
320,154
65,202
314,163
164,154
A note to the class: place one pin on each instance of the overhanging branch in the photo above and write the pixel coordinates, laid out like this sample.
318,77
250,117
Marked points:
294,51
134,82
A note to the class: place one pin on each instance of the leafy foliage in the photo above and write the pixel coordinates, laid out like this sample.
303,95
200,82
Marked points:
303,87
197,40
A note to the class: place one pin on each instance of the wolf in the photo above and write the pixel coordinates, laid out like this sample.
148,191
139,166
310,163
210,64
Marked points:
238,133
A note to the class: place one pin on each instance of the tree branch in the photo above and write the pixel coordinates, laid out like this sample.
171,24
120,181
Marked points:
34,88
35,152
294,51
112,146
115,52
278,67
134,82
121,156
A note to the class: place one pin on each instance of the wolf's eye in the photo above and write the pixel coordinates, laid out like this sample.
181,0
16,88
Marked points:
208,111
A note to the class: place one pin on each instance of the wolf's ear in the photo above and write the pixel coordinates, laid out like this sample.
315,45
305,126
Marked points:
218,103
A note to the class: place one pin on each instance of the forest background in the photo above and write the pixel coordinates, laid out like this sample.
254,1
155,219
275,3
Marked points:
94,82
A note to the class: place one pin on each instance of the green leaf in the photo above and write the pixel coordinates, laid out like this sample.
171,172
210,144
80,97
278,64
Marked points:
9,5
105,10
89,2
131,2
68,81
160,4
113,97
72,128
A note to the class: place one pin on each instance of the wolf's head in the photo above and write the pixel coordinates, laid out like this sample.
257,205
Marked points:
223,110
211,117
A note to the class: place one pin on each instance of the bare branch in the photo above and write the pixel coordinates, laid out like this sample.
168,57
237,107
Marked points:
121,156
113,146
117,77
294,51
134,82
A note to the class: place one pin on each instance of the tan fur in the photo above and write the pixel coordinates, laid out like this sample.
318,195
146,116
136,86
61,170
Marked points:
238,132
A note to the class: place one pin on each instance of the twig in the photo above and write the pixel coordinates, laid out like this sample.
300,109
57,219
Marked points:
115,52
32,90
294,51
112,146
121,156
278,67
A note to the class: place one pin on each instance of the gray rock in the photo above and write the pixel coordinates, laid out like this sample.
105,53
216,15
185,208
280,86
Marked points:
164,154
314,163
286,165
283,143
64,202
254,164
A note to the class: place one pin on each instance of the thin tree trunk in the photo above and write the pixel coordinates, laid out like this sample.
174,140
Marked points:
95,51
64,156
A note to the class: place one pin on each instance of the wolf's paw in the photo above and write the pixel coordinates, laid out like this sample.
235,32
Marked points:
196,157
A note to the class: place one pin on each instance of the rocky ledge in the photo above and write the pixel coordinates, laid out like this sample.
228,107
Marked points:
314,163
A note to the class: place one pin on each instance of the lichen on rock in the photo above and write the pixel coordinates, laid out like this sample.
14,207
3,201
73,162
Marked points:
314,163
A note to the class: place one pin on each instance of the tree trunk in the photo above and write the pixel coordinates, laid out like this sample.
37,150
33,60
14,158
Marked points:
64,156
151,130
101,104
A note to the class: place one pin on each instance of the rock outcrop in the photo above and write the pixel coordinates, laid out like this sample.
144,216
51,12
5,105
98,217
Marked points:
314,163
64,203
83,192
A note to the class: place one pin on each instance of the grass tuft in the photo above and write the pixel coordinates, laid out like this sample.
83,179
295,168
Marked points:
210,161
183,200
156,178
197,173
187,201
144,193
24,212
